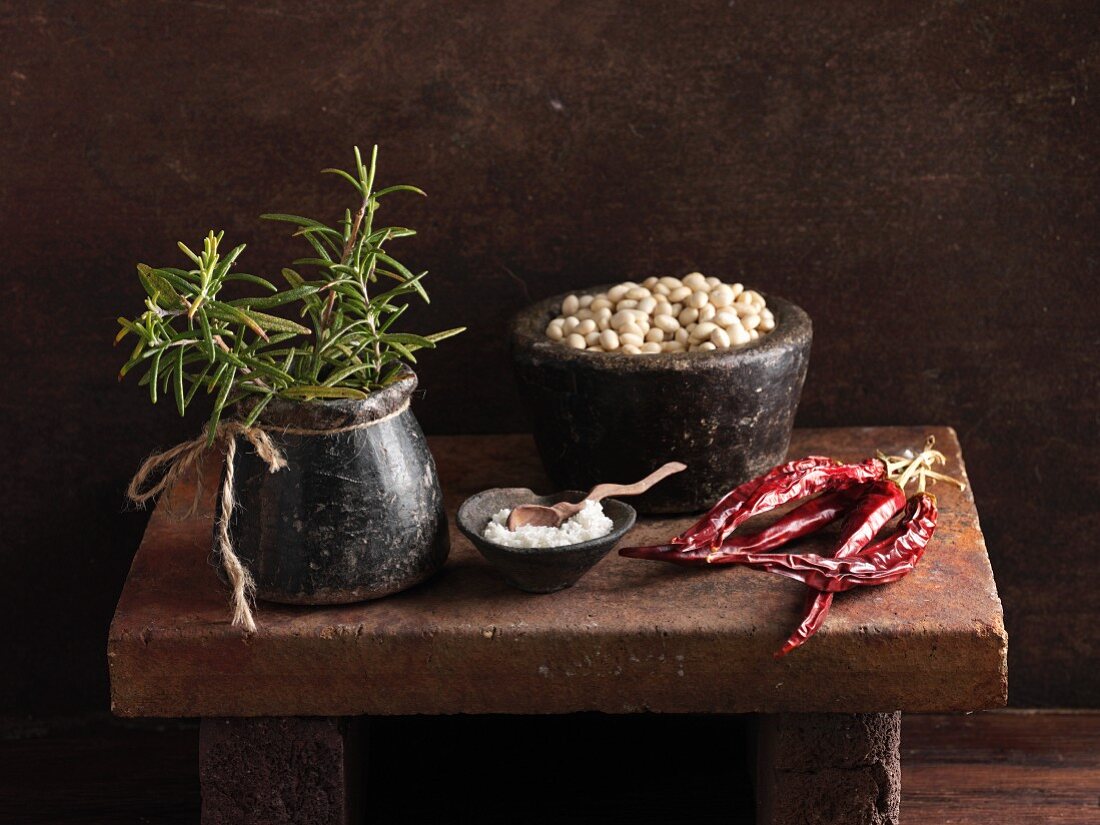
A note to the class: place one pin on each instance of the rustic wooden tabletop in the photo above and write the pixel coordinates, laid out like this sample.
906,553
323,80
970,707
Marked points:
631,636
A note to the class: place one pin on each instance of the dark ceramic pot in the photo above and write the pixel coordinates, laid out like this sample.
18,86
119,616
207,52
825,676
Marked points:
606,417
354,515
539,569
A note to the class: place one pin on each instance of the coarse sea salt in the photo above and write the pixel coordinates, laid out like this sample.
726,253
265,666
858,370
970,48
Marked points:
590,523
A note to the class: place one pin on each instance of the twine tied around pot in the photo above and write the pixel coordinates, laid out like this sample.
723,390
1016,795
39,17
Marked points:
175,461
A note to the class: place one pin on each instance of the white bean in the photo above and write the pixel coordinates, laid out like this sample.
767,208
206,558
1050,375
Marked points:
672,346
703,330
621,317
631,328
720,338
654,335
570,305
660,289
679,294
631,339
706,346
754,334
670,283
726,317
637,293
586,300
707,312
650,282
650,348
689,315
592,338
721,296
626,303
750,322
698,299
586,326
647,305
554,332
712,282
666,323
570,324
630,349
576,341
766,325
584,314
737,290
696,281
682,336
739,336
609,340
616,293
600,303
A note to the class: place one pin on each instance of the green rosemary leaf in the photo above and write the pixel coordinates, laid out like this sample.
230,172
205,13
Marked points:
404,351
358,186
273,322
409,340
162,292
258,408
252,279
309,391
219,403
297,220
189,253
279,299
180,401
436,337
230,313
154,374
401,187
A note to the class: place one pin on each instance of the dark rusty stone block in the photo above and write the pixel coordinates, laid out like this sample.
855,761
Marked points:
276,771
828,769
630,636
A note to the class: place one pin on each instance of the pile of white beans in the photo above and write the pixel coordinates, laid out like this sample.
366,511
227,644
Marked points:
689,314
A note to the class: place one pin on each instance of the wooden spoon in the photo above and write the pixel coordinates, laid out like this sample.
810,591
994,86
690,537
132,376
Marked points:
538,515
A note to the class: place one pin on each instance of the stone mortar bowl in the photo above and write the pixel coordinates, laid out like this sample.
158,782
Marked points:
727,414
539,569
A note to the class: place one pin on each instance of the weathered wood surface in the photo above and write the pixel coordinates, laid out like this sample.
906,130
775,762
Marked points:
630,636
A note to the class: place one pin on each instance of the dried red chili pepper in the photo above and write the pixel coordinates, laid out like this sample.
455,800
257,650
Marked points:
882,501
884,562
807,477
804,520
732,501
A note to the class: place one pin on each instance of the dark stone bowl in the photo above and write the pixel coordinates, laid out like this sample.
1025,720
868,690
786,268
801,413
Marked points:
539,569
598,417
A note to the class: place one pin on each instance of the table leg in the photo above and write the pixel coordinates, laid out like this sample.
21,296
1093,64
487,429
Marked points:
275,770
828,769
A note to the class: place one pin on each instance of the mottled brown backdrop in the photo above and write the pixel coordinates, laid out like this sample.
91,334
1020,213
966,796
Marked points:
920,176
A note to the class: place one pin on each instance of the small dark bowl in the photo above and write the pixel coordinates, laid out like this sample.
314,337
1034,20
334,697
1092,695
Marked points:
539,569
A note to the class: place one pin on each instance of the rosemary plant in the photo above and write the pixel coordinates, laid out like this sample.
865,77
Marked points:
345,345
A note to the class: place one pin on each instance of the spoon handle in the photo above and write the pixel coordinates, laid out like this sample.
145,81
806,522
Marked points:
638,487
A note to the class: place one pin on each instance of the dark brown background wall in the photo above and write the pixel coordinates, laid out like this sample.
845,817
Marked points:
921,177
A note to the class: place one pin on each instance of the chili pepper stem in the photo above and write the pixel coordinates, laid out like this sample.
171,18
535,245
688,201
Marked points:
905,468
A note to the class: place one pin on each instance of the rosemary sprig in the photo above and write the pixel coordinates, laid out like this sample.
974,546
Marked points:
188,338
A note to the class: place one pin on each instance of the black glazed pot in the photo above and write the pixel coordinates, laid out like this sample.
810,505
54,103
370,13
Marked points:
608,417
354,515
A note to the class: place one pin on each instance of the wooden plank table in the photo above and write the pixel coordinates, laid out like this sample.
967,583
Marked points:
630,637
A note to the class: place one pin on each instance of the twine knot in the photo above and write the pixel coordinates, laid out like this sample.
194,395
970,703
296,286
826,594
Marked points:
168,466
